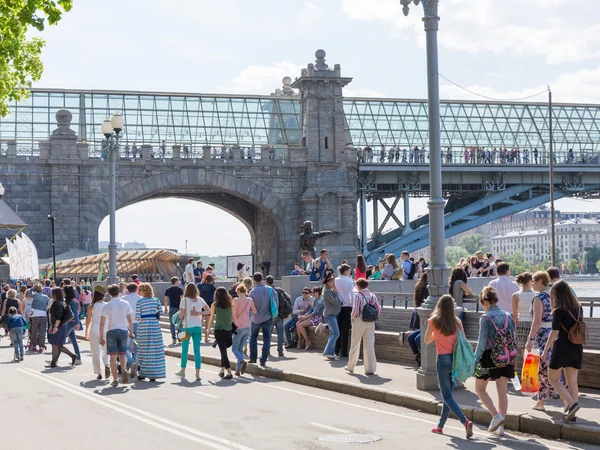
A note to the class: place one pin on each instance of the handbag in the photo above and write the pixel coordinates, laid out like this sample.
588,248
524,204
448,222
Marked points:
183,335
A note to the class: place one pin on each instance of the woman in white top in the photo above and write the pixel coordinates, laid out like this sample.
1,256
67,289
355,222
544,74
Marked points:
92,332
191,311
521,307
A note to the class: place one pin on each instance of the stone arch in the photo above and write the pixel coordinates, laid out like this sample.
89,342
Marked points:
254,205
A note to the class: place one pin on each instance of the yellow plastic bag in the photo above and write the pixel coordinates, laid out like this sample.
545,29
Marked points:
529,375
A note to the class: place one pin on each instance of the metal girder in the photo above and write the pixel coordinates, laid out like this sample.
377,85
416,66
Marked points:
389,214
455,223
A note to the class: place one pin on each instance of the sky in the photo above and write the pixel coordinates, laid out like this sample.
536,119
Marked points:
501,49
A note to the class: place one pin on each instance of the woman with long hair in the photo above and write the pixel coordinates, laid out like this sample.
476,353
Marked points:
360,271
75,324
458,286
221,313
539,332
493,319
363,330
92,332
192,310
240,271
243,307
151,351
413,335
443,328
391,266
57,333
566,356
522,301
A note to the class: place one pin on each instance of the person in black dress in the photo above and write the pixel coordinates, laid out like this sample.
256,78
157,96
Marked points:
565,356
57,333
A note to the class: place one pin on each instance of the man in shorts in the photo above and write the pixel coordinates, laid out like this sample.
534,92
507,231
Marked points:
116,319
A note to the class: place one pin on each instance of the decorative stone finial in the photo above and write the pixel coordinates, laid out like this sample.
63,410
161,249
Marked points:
287,89
320,62
63,118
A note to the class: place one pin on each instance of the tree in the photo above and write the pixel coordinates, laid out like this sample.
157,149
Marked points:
573,266
454,253
593,255
517,264
20,62
472,243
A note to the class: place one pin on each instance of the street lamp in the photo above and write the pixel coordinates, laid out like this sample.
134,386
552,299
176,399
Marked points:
438,272
111,129
52,219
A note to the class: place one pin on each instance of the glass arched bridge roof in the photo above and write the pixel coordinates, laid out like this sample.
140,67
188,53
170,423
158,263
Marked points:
216,120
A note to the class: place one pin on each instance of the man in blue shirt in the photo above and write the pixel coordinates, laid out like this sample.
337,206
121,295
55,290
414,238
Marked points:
406,264
198,272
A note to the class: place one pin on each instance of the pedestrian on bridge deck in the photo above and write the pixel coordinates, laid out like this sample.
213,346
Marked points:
92,333
345,289
332,309
222,315
151,352
262,320
57,333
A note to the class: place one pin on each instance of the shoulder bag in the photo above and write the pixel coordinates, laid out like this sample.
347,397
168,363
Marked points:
183,335
577,334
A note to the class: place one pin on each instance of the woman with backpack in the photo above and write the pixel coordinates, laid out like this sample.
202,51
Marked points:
541,327
365,311
568,331
60,315
443,328
495,355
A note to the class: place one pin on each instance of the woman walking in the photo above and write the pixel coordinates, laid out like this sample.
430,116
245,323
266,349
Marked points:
57,333
92,333
333,306
566,356
207,292
243,305
541,327
363,330
360,270
413,335
222,315
192,310
522,301
313,317
39,320
151,352
443,328
494,320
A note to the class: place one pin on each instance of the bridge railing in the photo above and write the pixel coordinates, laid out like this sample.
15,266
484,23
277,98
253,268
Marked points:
457,156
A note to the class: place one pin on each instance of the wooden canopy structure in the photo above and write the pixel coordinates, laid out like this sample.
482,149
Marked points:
150,265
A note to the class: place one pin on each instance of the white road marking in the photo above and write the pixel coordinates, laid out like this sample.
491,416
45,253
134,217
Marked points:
328,428
205,394
140,415
486,436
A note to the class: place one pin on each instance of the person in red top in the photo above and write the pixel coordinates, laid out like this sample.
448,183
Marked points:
360,271
135,279
443,328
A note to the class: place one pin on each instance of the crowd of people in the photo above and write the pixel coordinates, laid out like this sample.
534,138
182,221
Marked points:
468,155
537,312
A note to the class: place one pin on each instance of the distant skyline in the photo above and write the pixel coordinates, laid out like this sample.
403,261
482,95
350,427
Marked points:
503,50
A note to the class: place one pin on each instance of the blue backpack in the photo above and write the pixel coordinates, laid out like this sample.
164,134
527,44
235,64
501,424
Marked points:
463,359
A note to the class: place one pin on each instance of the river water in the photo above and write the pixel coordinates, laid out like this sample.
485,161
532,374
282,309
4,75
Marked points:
588,290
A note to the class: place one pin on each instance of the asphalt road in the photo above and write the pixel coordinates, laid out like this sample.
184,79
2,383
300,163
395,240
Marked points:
69,409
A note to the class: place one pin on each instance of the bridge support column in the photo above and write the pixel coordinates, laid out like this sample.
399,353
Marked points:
12,149
206,152
177,151
363,223
406,201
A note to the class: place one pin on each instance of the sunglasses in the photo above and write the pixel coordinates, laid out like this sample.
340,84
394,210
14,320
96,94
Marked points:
306,292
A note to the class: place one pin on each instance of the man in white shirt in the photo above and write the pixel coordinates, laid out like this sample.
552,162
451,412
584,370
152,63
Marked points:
189,271
116,318
505,287
345,288
132,297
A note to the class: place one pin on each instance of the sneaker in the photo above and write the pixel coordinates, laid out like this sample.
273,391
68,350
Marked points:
330,356
115,383
20,358
174,341
125,377
180,374
495,423
252,361
99,377
469,428
348,370
221,374
244,366
106,372
500,431
572,411
133,370
229,376
238,373
263,363
437,430
78,362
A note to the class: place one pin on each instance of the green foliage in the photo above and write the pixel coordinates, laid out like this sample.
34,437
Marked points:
20,62
573,266
454,253
472,243
598,265
593,255
518,264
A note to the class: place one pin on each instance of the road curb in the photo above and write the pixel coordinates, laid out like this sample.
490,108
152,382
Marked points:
521,422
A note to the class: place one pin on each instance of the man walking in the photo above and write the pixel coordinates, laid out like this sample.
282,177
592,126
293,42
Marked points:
116,318
282,299
173,296
262,320
505,287
345,287
132,358
189,271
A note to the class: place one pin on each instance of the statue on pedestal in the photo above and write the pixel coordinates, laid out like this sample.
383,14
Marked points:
308,237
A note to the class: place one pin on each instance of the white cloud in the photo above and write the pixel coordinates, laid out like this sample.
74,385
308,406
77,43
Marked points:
560,31
311,6
575,87
262,79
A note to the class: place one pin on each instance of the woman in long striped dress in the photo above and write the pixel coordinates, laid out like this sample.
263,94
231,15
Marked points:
151,352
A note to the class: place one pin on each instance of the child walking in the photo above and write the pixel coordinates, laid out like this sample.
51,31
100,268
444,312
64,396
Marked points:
443,328
16,325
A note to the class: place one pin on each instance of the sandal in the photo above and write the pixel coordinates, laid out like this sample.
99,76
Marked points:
538,408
